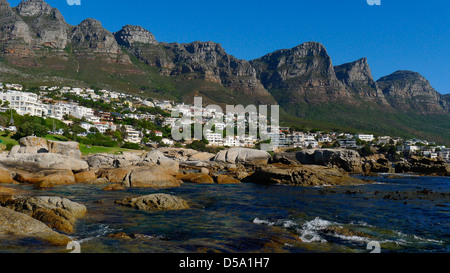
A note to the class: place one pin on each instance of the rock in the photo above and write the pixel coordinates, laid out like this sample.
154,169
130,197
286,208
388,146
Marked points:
348,160
198,178
104,161
44,161
158,158
376,167
120,235
225,179
98,181
56,212
243,156
152,176
130,35
53,177
20,225
180,154
155,202
204,171
337,230
115,175
7,191
5,176
423,165
69,148
308,175
34,145
203,156
114,187
85,177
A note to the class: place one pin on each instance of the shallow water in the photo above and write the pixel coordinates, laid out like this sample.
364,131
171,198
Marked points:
402,214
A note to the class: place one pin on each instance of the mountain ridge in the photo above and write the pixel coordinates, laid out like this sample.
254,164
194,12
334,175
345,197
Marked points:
37,43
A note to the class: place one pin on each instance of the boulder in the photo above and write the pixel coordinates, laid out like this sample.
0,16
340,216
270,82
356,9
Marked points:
225,179
423,165
7,191
6,176
85,177
44,161
115,175
58,213
34,145
114,187
69,148
156,157
180,154
197,178
155,202
52,177
152,176
348,160
307,175
20,225
112,161
202,156
243,156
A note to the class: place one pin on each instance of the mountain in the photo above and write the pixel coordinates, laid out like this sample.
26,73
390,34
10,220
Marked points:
357,76
38,47
302,74
407,90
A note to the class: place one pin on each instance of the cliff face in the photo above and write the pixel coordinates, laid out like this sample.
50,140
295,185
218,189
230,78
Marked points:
302,74
208,60
47,24
198,60
357,76
15,34
407,90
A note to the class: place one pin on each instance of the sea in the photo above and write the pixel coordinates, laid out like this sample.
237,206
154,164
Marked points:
392,214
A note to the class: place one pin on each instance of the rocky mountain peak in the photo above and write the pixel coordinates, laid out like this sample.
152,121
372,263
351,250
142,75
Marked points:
130,35
410,90
357,76
90,35
47,24
14,32
35,8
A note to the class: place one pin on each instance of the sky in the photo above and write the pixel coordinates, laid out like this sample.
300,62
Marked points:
396,35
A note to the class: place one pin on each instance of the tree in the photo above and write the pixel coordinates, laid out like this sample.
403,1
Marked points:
30,129
366,150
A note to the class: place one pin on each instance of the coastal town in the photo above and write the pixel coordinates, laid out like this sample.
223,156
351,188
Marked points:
103,111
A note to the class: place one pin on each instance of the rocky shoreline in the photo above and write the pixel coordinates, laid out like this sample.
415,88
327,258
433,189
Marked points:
46,164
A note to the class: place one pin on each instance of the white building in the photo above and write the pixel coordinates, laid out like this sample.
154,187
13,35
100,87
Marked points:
133,135
214,139
364,137
24,103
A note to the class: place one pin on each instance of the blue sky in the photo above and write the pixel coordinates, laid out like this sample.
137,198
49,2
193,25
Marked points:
397,35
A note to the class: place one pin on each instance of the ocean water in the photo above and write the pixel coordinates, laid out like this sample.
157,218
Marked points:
398,214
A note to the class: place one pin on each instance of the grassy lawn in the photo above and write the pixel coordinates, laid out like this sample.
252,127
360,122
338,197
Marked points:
7,140
87,150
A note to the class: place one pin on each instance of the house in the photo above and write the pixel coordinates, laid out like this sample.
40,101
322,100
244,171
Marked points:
24,103
133,135
364,137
